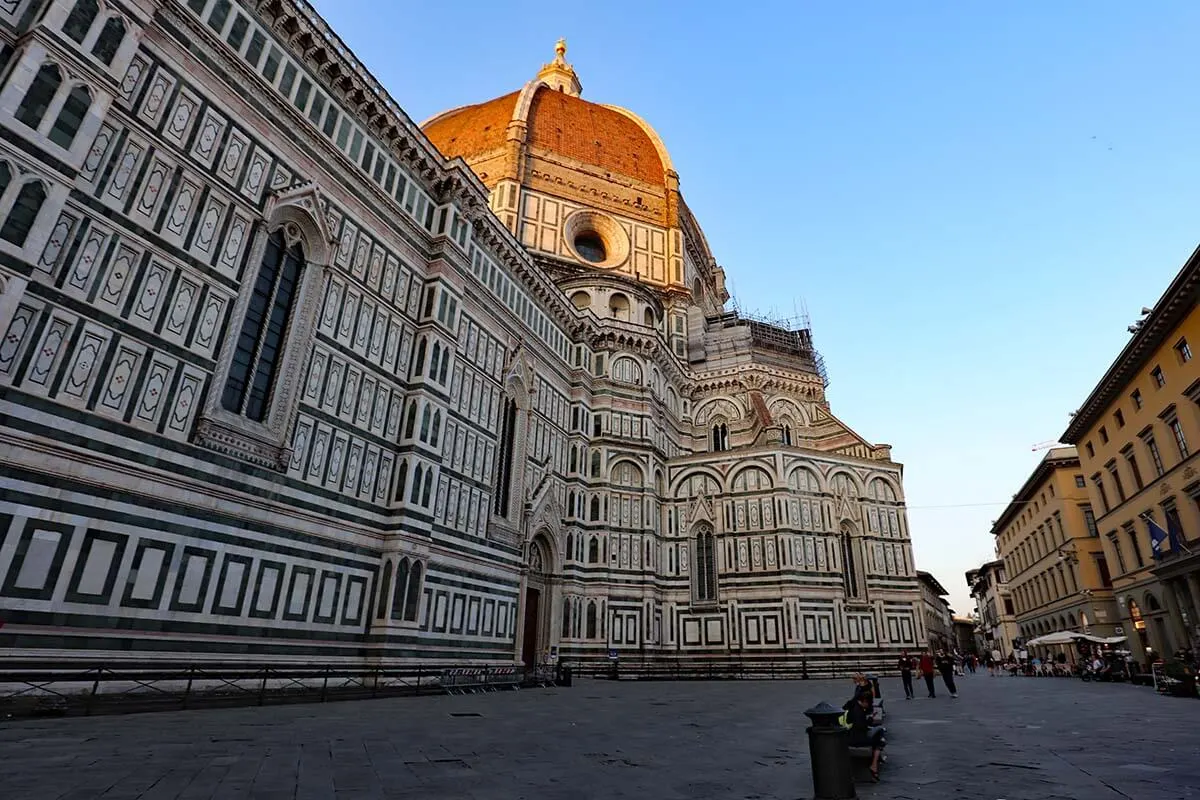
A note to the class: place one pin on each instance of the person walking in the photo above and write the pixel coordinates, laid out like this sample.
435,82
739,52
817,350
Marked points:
906,670
945,665
927,671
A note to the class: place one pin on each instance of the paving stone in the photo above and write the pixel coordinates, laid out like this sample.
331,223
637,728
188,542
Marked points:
1010,738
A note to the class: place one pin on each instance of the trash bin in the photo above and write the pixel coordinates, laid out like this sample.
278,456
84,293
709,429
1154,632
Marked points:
829,751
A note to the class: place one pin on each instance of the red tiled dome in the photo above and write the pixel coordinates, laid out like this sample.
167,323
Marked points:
559,123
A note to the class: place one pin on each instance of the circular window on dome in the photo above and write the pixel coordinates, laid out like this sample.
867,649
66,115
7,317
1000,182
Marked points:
596,239
589,245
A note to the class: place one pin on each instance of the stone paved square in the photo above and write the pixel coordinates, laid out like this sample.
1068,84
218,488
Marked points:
1004,739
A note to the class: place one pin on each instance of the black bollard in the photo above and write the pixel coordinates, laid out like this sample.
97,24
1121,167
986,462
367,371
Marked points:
566,676
804,669
829,751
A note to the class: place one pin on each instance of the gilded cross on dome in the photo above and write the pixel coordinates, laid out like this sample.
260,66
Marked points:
560,50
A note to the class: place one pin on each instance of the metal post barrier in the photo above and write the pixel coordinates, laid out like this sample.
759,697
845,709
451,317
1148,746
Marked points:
262,688
95,688
187,690
324,684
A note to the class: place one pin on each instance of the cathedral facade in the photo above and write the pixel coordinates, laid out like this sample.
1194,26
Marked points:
286,376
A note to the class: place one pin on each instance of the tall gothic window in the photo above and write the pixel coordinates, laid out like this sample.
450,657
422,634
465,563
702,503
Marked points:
24,213
412,602
402,579
385,589
41,91
260,344
704,577
80,20
566,618
71,116
849,572
109,40
720,437
504,463
591,620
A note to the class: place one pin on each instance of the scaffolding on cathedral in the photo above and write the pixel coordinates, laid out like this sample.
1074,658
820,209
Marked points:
788,335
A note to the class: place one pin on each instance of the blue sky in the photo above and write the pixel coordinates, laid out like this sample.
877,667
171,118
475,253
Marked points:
972,201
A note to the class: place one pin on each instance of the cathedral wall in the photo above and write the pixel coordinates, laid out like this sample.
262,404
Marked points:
136,515
414,440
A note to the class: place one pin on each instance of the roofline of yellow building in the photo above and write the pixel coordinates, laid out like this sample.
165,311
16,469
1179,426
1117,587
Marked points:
1170,310
1056,458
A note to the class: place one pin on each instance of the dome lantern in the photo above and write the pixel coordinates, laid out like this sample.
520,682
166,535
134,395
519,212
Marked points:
558,74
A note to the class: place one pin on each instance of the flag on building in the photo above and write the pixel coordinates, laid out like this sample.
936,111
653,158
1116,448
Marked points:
1157,536
1175,532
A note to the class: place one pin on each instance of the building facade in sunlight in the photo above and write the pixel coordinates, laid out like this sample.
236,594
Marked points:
996,622
286,376
1058,574
1138,433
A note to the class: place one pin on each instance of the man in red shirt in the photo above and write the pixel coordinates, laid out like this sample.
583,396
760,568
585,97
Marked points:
927,671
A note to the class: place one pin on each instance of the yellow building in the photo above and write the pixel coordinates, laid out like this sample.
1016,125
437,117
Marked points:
1057,570
1137,434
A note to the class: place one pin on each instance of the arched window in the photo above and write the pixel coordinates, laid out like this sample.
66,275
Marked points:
402,579
410,423
428,487
704,575
71,116
626,370
591,619
5,176
412,601
594,513
41,91
648,318
434,359
24,213
570,552
260,344
595,463
574,450
594,547
385,589
425,425
504,460
720,437
618,305
437,424
566,618
787,434
109,40
849,571
80,20
416,487
401,480
419,360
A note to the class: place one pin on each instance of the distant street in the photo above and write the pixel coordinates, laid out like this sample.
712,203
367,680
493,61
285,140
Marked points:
1009,738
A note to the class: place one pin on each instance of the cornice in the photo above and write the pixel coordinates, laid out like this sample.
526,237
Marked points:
1172,308
1045,468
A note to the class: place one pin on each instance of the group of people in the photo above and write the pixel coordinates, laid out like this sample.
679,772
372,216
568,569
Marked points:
928,665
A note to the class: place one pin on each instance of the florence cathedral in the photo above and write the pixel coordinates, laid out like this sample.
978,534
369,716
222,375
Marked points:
286,376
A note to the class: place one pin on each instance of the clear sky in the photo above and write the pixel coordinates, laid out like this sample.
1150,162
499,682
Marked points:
972,200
